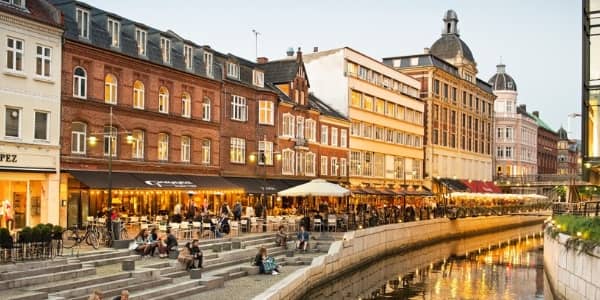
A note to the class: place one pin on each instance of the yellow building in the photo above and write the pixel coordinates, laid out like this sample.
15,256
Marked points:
386,135
459,107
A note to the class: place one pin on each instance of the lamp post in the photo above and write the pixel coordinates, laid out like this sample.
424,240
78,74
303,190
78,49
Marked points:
413,173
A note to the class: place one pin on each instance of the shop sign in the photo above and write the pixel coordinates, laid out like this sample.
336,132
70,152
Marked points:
7,157
269,188
171,183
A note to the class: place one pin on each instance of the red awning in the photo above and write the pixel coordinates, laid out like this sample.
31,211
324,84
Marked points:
477,186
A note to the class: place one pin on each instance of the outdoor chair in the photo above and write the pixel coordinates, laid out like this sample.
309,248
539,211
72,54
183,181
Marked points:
175,228
253,223
234,226
162,228
197,227
186,230
317,223
332,223
244,225
206,230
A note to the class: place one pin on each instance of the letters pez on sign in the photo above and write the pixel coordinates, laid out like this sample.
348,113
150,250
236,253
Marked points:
171,183
7,157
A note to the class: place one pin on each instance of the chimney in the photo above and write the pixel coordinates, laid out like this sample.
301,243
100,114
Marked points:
536,113
262,60
290,51
315,49
426,50
299,55
523,108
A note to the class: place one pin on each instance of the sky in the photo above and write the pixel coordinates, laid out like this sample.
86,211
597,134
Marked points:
538,40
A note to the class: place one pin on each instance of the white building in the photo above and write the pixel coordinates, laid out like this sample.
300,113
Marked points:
30,79
386,135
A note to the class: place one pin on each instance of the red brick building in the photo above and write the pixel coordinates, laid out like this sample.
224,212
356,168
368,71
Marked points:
163,135
547,141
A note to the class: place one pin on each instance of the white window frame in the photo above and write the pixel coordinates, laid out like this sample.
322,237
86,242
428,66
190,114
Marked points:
289,125
139,96
20,121
239,108
165,49
79,81
110,141
82,17
141,38
188,54
233,70
163,100
237,150
267,148
334,166
287,162
17,53
112,87
334,136
47,113
137,144
300,163
186,105
206,109
163,147
206,151
43,61
344,138
258,78
324,165
79,139
266,110
343,167
299,127
310,164
208,62
311,130
324,135
114,31
186,148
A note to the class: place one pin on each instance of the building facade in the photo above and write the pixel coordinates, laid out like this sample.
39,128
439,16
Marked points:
547,141
590,102
386,114
515,152
30,52
459,107
568,154
141,117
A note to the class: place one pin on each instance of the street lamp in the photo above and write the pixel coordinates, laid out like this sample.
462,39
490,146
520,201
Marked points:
261,154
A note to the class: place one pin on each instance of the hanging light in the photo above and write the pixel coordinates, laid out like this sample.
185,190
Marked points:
129,139
92,140
252,157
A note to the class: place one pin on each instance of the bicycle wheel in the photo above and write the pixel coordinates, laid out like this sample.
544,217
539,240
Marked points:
92,239
69,237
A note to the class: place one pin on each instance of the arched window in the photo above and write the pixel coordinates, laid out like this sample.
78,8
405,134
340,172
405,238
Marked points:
110,89
206,109
138,95
163,100
186,105
78,137
79,83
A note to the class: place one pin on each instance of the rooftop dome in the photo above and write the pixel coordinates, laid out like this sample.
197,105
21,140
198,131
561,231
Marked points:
501,81
450,44
562,134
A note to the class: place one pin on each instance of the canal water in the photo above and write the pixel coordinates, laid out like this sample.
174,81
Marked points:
503,265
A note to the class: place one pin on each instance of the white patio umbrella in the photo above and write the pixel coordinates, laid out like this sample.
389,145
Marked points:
315,188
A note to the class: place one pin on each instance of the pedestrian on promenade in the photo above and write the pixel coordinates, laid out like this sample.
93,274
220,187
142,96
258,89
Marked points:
123,296
266,263
96,295
302,243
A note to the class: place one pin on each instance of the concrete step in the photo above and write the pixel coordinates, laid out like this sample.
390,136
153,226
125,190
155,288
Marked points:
88,289
45,278
25,295
138,287
38,271
24,266
163,291
72,284
176,274
113,260
102,255
183,293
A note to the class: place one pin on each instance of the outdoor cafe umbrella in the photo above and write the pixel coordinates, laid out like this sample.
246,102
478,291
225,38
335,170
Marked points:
315,188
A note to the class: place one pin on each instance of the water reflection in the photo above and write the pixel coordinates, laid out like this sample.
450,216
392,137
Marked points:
504,265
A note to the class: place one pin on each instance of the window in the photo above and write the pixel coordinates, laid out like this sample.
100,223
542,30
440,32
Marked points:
436,86
165,50
324,163
41,126
362,72
379,133
186,105
12,125
334,166
138,95
499,133
258,78
355,99
163,100
324,137
188,54
334,136
137,144
19,3
300,127
311,130
83,23
390,109
368,102
110,89
400,112
163,146
113,32
343,167
453,95
499,152
287,162
380,106
79,83
233,70
344,138
206,109
42,61
310,164
239,110
78,137
508,152
206,151
141,40
265,112
367,130
509,133
110,141
288,125
186,145
265,153
237,151
351,69
208,61
14,55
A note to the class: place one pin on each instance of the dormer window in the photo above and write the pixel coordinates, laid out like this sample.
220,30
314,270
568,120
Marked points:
83,23
114,32
165,49
208,62
188,53
258,78
19,3
141,39
233,70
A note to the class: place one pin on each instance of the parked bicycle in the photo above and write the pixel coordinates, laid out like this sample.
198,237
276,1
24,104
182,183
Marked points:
74,236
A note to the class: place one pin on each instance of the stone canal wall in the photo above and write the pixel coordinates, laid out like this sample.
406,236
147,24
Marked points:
368,245
571,274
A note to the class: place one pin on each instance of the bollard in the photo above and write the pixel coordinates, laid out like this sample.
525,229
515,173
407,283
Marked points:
128,265
195,273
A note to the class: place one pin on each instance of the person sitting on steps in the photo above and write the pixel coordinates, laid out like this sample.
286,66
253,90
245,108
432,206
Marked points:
196,254
281,237
265,263
302,243
185,257
141,241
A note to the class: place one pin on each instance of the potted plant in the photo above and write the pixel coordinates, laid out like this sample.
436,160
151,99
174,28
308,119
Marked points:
6,240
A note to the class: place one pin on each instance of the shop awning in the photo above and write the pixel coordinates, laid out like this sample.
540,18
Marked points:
126,180
256,185
453,184
422,191
316,187
478,186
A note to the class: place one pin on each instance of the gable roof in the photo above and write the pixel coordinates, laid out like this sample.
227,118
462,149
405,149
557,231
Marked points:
35,10
285,70
324,108
541,123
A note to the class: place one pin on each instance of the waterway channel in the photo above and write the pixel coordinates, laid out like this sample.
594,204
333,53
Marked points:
502,265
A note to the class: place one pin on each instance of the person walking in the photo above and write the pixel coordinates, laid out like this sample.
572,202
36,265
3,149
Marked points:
237,211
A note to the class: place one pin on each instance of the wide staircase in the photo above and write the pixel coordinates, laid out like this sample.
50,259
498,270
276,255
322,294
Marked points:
76,277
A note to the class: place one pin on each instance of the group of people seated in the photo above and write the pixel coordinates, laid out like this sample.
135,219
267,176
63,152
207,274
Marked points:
146,243
301,242
191,255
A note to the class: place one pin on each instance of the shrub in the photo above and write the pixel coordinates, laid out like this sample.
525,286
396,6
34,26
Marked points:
57,232
5,238
26,235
